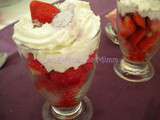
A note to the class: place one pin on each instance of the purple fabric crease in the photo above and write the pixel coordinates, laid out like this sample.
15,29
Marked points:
112,97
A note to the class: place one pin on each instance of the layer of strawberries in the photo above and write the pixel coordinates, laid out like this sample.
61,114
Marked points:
62,86
138,35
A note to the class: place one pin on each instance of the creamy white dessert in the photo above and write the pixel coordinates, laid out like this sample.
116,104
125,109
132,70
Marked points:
150,8
65,43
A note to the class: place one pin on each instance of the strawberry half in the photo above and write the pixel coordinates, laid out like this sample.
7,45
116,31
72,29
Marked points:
139,20
43,12
137,37
148,42
155,25
35,66
137,57
126,27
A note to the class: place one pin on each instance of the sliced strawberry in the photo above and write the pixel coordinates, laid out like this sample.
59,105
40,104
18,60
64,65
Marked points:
148,42
137,37
92,58
137,57
155,25
30,57
126,27
139,20
64,80
35,66
133,52
43,12
68,99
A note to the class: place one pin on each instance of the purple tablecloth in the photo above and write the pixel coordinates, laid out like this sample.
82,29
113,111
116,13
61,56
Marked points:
112,98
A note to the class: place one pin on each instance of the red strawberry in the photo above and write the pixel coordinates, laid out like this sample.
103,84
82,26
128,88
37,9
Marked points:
30,57
68,99
35,66
148,42
43,12
92,58
139,20
155,25
137,57
133,53
126,27
137,37
59,79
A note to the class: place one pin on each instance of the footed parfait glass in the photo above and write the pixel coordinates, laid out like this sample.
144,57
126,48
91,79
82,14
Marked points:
65,93
139,40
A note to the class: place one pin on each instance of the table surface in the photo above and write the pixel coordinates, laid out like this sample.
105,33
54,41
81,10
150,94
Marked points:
112,97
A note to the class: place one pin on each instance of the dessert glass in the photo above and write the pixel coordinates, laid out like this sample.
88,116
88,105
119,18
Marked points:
139,39
65,92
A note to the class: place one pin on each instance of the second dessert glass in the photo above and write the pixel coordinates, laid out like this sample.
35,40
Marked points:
139,40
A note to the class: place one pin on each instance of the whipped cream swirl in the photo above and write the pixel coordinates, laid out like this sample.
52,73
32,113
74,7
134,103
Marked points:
59,45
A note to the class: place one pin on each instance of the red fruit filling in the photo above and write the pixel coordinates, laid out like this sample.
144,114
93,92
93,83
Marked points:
149,42
36,66
155,25
43,12
127,27
139,36
67,85
139,20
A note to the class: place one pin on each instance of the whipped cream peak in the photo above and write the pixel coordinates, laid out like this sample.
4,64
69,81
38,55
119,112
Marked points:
146,8
73,34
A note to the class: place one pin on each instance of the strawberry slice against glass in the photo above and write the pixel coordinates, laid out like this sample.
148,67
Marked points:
126,27
139,20
137,37
155,25
149,42
35,65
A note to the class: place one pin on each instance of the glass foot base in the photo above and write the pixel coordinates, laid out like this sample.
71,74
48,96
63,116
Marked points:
134,72
84,112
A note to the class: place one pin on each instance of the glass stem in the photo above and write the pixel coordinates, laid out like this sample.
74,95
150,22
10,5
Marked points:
134,72
134,68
